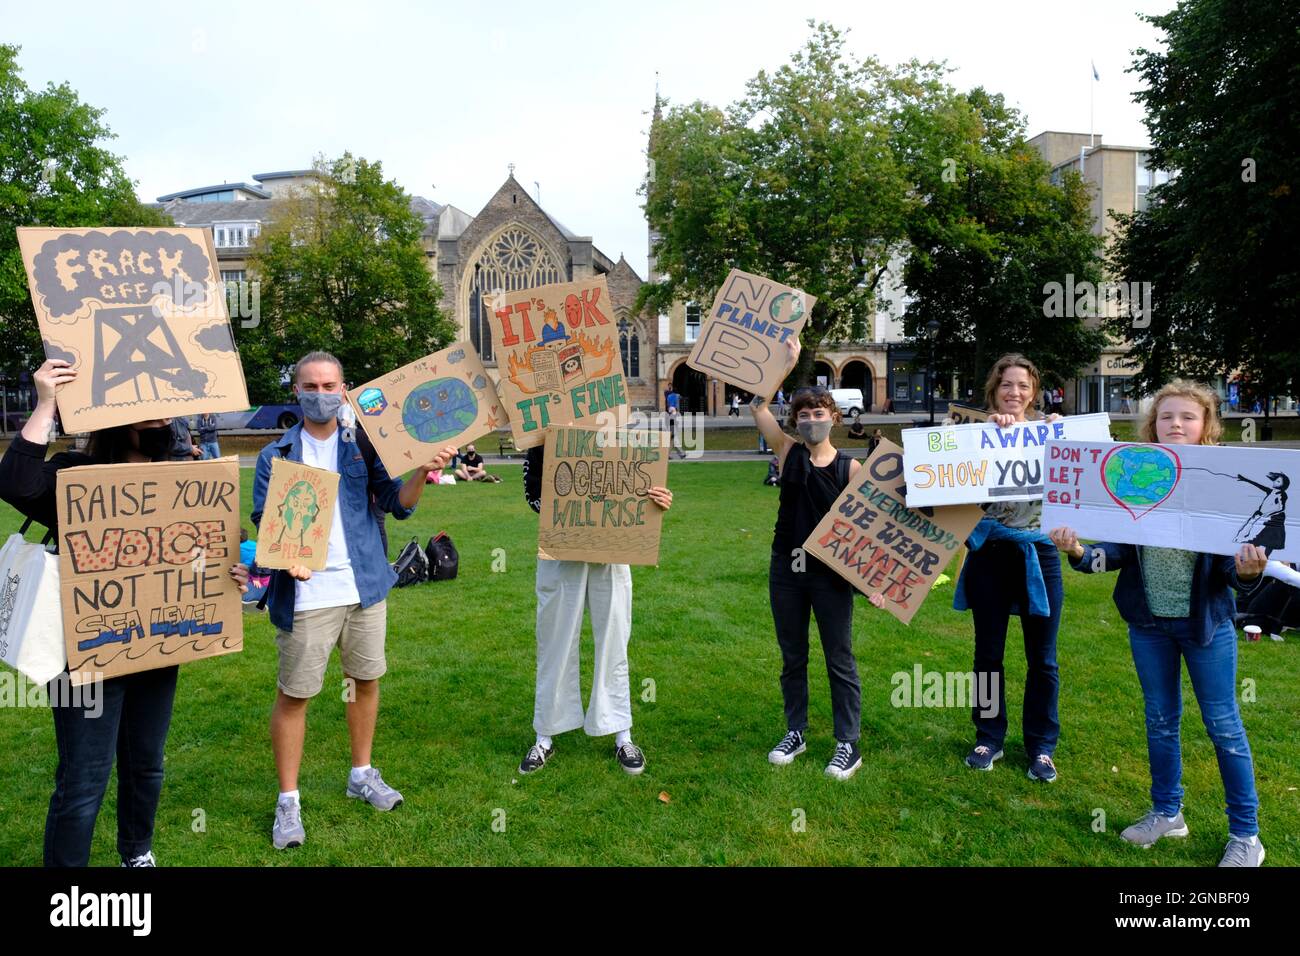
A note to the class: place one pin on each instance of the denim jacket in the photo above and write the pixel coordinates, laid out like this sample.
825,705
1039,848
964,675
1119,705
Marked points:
357,482
1212,602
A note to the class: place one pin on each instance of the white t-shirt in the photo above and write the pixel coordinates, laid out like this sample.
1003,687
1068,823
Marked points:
336,586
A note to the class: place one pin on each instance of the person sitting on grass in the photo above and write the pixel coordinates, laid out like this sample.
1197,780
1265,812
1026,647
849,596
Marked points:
812,473
1179,608
469,466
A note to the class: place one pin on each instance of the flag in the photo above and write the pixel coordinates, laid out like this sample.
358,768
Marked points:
1095,75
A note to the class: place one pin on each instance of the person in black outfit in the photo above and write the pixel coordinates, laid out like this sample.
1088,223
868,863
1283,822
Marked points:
469,466
857,431
813,473
136,708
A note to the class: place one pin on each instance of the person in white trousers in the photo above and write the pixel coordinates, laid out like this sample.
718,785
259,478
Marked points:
564,590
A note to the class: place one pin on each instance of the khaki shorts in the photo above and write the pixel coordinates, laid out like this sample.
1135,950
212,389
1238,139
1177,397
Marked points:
305,651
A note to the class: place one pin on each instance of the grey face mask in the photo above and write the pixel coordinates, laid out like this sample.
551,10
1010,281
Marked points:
814,433
320,407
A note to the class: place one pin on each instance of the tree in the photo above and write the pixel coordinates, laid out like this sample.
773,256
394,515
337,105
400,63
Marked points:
341,268
53,172
795,181
990,233
1217,243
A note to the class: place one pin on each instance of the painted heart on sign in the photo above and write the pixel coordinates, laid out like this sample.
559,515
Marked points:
1140,477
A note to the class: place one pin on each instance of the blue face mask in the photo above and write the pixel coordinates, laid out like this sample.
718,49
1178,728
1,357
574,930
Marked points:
320,407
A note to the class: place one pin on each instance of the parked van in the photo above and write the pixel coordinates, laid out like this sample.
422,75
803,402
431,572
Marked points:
849,401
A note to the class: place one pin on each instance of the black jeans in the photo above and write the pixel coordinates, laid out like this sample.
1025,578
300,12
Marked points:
136,712
794,595
995,580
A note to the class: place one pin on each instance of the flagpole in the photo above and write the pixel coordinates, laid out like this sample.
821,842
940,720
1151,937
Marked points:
1092,96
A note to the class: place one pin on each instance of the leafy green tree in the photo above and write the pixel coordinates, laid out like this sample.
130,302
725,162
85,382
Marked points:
989,236
795,181
1218,242
53,172
341,268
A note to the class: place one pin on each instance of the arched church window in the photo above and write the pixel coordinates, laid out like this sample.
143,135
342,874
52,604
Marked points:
512,261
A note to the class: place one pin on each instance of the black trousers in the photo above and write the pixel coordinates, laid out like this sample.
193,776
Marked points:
129,718
794,595
995,581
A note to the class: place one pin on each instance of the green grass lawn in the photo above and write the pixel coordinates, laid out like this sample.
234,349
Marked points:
457,711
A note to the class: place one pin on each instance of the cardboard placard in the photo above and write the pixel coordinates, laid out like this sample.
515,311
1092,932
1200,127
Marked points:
1204,498
557,354
141,315
594,503
143,560
743,339
880,545
442,399
979,462
961,414
297,516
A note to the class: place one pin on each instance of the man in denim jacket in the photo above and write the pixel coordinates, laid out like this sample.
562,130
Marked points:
344,605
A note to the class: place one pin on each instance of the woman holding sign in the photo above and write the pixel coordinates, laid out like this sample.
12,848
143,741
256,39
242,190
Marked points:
125,716
813,473
1179,608
1013,568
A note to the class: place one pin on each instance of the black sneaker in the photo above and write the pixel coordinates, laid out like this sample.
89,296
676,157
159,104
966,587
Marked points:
845,762
535,759
144,859
1042,769
630,757
982,757
791,746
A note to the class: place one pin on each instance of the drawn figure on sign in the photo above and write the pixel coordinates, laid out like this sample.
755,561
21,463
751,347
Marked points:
298,511
1266,528
554,330
438,410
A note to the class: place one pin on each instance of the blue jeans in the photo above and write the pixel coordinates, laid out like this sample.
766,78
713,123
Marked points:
210,449
137,710
1156,653
995,582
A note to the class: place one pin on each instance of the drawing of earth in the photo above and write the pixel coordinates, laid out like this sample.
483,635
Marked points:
1139,477
438,410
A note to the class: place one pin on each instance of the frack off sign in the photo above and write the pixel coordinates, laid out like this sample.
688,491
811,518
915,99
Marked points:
980,462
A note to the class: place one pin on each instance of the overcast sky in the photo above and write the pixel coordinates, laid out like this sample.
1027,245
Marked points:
447,94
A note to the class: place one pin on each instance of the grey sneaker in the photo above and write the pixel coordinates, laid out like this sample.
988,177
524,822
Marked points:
374,791
1153,826
1243,851
288,830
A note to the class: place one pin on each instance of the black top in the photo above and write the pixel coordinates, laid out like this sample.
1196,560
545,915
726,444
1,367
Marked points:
534,460
472,458
807,493
27,479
